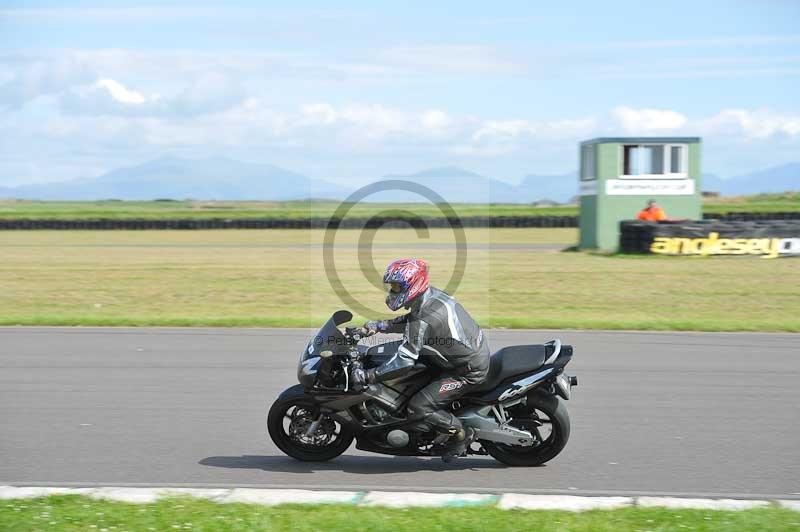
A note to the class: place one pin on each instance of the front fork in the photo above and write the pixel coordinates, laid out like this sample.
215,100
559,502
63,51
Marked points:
314,426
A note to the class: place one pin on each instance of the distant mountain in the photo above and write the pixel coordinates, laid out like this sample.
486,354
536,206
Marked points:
216,178
783,178
560,187
225,179
712,183
455,185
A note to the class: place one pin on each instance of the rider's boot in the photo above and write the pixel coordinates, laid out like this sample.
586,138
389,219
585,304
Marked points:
458,443
452,434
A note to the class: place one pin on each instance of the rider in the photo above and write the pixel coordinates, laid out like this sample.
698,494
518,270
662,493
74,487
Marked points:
438,332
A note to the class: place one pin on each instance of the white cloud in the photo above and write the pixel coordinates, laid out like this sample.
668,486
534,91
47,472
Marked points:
33,77
503,129
742,124
556,129
361,126
209,94
436,120
495,137
120,92
105,96
757,124
375,120
320,113
25,76
137,124
643,121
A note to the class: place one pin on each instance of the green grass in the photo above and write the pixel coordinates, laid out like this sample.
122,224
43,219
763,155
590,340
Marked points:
18,209
278,278
81,513
785,202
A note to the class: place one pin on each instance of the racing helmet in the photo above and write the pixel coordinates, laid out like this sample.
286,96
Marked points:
405,279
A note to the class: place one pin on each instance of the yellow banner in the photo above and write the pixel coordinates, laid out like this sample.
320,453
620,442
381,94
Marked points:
768,248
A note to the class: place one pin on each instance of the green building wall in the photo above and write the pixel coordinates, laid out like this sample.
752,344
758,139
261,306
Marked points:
600,213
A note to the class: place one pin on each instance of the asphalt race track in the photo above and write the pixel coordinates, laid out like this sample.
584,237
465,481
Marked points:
655,413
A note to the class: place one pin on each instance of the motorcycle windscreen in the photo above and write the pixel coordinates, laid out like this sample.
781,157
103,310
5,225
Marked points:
328,338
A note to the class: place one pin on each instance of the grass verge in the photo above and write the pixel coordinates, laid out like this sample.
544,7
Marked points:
279,278
81,513
113,209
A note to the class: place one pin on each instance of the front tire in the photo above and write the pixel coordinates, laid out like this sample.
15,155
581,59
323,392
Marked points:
287,421
540,411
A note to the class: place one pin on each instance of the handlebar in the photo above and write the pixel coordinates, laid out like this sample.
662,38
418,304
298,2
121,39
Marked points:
357,333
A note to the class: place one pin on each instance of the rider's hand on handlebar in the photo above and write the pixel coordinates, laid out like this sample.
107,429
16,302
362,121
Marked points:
358,377
371,327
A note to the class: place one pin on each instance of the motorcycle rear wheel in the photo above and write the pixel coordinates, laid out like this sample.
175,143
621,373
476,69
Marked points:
550,412
329,441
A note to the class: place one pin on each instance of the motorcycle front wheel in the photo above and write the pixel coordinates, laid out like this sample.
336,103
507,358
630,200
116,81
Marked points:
547,419
290,423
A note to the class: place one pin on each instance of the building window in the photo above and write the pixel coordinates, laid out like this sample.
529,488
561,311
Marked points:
677,164
654,160
587,162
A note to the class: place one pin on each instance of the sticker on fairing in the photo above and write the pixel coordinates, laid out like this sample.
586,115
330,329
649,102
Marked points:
524,385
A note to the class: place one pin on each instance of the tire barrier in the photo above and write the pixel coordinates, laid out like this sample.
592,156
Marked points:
349,223
286,223
765,238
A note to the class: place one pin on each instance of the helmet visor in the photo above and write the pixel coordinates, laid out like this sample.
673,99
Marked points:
393,288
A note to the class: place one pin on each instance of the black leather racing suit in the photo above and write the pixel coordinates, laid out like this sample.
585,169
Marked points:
439,333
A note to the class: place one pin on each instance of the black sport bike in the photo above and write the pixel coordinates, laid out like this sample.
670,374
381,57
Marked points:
519,413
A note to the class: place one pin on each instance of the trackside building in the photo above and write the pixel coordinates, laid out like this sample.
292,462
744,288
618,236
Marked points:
618,175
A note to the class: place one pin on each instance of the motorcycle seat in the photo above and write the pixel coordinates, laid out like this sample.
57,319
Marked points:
509,362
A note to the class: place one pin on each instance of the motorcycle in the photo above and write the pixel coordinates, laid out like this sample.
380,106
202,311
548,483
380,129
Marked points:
518,413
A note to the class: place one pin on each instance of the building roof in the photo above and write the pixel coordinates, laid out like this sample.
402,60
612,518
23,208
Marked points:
642,140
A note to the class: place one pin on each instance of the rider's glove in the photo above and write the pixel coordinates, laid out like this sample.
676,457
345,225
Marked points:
359,377
373,327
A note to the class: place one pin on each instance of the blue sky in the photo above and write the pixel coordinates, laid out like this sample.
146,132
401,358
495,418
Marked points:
349,91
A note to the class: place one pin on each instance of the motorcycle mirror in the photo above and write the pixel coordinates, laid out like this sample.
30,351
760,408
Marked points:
342,316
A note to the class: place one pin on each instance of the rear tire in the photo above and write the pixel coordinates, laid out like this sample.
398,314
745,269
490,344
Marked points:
299,410
518,456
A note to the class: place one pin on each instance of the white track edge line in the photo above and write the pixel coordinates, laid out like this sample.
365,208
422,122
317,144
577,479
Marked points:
505,501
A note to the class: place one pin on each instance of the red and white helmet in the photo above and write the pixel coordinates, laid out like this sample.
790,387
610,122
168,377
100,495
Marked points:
405,279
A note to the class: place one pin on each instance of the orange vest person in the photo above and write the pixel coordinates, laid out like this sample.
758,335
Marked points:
651,213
